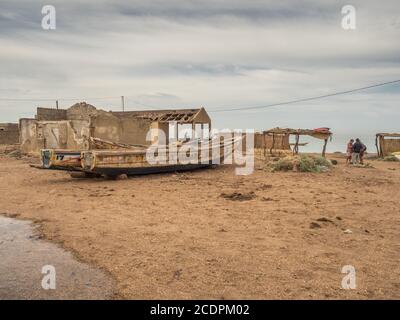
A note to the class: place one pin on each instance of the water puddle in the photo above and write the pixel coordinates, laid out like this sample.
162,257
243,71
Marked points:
22,257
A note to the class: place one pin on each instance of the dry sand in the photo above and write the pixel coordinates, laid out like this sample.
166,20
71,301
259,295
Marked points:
212,234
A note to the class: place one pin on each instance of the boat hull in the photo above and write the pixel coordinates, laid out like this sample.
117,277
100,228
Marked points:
148,170
134,161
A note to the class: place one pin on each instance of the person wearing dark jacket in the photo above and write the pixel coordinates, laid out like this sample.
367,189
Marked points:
357,149
364,148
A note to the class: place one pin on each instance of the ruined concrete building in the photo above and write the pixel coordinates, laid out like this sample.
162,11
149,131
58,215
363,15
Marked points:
72,128
9,133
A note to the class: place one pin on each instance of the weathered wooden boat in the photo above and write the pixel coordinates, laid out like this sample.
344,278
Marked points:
58,159
70,160
134,161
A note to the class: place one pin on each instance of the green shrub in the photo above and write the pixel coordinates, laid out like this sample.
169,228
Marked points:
284,164
302,164
307,164
321,161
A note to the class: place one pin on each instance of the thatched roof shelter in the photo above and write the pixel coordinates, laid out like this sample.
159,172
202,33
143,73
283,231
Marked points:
319,133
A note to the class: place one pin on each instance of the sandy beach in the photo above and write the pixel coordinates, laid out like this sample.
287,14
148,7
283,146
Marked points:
210,234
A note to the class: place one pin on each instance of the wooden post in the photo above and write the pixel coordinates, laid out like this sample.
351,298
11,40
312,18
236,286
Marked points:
324,149
123,103
377,147
382,146
57,104
273,143
265,144
296,145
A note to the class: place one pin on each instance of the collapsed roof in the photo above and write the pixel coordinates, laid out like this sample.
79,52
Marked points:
182,116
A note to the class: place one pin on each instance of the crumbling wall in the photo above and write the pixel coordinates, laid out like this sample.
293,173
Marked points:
28,135
67,134
9,133
128,130
134,131
50,114
53,134
78,135
80,111
104,125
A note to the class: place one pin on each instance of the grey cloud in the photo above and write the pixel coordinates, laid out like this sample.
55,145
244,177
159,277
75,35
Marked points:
211,53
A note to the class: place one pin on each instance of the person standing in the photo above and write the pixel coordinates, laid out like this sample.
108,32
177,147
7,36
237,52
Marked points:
357,147
362,152
349,150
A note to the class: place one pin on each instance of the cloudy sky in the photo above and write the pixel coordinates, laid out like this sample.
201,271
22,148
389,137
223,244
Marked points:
216,54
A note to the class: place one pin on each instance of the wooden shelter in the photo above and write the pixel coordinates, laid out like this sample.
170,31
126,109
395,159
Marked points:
386,143
282,134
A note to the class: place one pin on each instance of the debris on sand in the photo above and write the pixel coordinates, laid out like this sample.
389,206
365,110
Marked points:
238,196
15,154
267,199
323,219
100,195
177,274
347,231
365,166
391,158
314,225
